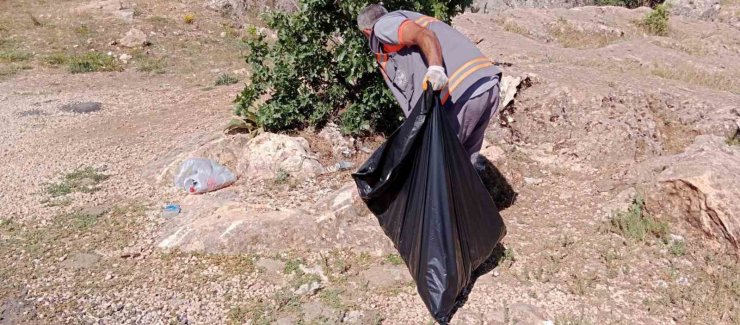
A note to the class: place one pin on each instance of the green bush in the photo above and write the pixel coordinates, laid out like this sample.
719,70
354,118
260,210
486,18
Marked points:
319,68
656,21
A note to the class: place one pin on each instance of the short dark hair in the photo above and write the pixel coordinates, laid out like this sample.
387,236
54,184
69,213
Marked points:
369,15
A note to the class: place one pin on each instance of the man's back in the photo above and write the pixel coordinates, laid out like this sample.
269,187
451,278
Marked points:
404,66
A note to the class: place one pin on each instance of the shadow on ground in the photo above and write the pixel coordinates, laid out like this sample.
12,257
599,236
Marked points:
487,266
498,187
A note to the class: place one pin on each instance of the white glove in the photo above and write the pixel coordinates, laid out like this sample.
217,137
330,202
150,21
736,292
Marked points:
436,76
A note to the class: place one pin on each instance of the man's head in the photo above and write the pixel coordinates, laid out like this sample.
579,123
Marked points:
368,16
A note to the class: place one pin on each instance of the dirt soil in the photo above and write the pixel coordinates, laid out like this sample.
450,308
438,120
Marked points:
80,214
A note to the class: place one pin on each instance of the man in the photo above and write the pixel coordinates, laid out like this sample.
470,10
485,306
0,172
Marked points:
413,49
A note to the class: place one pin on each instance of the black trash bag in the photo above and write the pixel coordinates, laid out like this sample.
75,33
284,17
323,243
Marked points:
430,201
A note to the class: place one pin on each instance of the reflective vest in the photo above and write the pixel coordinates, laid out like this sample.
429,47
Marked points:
404,67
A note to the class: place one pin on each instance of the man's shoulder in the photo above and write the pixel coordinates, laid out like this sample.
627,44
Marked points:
401,13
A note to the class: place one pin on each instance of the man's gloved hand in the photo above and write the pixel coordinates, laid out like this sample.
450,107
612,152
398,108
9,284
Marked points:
436,76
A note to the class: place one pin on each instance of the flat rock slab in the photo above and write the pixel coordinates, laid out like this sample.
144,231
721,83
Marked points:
81,261
208,223
270,265
386,276
31,112
82,107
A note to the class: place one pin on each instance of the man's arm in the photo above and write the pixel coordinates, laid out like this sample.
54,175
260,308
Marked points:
410,33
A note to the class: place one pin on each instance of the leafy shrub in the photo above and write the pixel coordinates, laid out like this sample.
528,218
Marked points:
189,18
656,21
319,68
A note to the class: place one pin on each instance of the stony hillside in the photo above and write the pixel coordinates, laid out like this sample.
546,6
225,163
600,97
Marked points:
616,160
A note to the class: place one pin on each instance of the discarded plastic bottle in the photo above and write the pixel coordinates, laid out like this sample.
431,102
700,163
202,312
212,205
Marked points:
200,175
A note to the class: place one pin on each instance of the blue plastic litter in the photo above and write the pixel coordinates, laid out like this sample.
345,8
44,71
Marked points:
172,208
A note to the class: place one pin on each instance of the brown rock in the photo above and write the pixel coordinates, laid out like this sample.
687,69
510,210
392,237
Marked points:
702,186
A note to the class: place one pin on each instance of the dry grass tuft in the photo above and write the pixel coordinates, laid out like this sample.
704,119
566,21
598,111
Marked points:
692,75
513,27
571,36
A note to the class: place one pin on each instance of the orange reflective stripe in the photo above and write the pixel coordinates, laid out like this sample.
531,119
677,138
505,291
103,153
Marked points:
463,72
466,74
445,98
388,48
459,70
420,19
454,85
424,21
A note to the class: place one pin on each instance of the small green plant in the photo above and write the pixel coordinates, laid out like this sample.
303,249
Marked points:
83,180
189,18
7,225
331,298
257,312
656,21
56,59
226,79
281,176
83,221
286,301
93,62
292,266
734,140
394,259
509,255
83,30
151,64
677,248
637,225
12,55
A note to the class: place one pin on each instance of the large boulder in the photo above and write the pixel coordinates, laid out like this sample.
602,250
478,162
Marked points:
702,186
697,9
227,151
269,153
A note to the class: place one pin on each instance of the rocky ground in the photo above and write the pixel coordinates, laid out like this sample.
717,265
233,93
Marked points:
604,113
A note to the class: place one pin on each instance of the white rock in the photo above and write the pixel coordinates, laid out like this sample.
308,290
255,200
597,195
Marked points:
269,153
134,38
125,57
